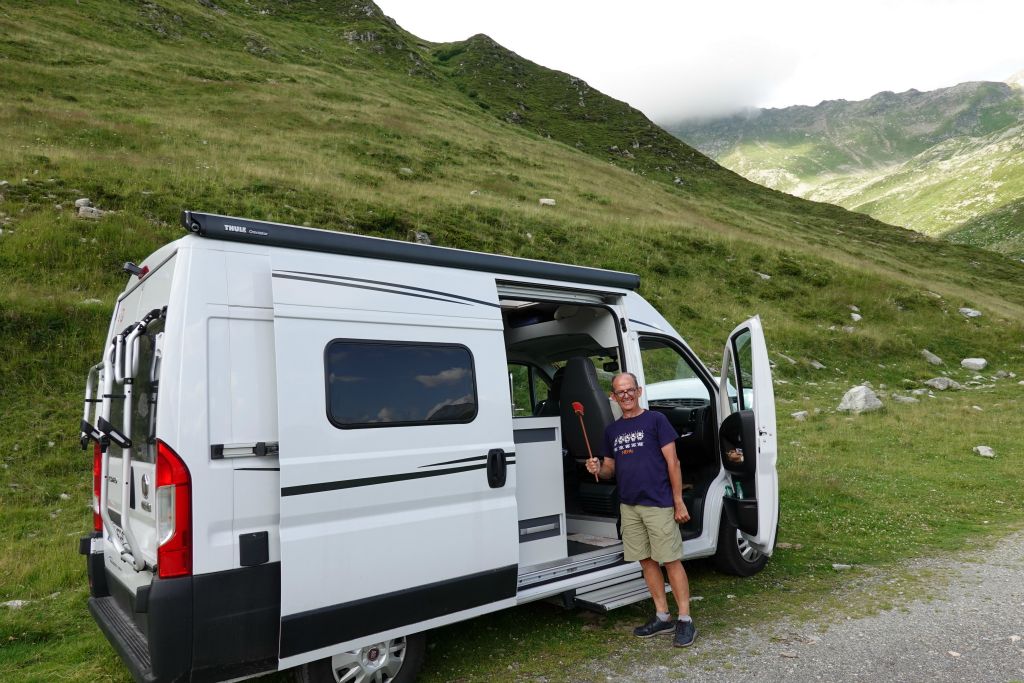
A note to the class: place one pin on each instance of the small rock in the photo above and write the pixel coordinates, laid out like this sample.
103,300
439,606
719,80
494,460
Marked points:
763,276
4,183
841,567
943,383
789,546
419,237
473,193
854,308
931,357
1014,639
856,317
974,364
91,302
90,212
859,399
816,365
970,312
849,329
696,598
787,358
899,398
84,201
405,170
58,207
50,444
789,654
984,451
546,201
730,596
978,408
952,653
1001,374
14,604
919,392
65,496
529,236
799,415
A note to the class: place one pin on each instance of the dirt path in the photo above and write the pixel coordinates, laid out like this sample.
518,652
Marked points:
969,629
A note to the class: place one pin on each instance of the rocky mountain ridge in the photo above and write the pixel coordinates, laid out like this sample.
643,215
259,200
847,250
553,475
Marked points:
930,161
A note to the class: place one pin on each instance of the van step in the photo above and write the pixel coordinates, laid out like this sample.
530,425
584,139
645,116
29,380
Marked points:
124,635
620,592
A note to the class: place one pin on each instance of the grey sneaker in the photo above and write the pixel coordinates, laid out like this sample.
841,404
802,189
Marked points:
654,627
686,633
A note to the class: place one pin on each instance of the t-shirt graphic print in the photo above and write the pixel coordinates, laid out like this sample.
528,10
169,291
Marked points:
640,469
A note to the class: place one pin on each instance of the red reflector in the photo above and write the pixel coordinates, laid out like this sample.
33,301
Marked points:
97,465
174,556
143,271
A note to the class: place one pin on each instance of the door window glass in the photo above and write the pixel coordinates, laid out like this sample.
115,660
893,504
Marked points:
144,389
389,384
745,365
669,376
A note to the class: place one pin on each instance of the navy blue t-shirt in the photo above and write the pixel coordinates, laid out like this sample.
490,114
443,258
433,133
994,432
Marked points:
640,469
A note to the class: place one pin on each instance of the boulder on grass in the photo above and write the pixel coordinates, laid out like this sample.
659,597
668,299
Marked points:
860,399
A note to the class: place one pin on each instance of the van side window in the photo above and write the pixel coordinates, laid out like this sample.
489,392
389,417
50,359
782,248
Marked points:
392,383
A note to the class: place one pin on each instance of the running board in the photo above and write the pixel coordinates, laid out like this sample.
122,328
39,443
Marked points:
619,592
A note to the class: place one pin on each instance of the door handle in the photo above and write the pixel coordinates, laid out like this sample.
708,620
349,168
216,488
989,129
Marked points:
497,468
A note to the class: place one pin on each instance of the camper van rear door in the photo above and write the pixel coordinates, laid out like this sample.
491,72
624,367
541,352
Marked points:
392,402
746,386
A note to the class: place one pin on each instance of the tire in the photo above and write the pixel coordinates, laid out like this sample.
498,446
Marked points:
735,555
393,661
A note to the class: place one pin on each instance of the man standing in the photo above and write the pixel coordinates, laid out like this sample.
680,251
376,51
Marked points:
641,453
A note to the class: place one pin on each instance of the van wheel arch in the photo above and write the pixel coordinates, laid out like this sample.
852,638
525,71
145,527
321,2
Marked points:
735,555
356,666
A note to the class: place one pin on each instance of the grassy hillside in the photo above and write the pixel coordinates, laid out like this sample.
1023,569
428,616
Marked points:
929,161
327,113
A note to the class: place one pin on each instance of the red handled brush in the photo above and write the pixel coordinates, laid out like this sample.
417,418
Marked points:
577,408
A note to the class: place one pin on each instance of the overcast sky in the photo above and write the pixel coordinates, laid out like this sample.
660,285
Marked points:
675,58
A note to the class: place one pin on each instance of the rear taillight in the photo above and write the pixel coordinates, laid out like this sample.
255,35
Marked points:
173,514
97,469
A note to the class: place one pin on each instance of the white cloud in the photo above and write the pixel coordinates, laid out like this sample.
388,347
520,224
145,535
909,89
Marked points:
449,376
675,59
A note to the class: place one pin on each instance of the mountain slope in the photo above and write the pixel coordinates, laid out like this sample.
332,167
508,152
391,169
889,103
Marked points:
924,160
325,112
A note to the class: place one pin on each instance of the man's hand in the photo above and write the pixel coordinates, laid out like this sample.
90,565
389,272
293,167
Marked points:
681,513
594,466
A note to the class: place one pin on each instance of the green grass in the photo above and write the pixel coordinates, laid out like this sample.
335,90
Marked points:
296,115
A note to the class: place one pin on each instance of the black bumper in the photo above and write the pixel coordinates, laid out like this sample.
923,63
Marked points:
210,627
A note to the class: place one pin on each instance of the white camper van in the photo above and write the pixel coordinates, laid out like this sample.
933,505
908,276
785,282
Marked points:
310,447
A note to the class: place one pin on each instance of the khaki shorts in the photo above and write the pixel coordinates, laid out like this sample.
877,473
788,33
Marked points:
650,532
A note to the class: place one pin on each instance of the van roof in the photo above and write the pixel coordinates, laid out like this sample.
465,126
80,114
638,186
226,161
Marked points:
312,239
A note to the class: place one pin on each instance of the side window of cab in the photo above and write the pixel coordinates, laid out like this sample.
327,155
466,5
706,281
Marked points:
529,388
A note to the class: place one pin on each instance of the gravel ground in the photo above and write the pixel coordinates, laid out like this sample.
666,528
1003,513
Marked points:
969,630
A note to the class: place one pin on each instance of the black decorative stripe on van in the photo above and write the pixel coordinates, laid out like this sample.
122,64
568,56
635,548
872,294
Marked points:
392,284
321,487
475,458
641,322
376,289
326,626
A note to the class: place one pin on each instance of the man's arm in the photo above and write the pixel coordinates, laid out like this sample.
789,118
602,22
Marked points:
675,478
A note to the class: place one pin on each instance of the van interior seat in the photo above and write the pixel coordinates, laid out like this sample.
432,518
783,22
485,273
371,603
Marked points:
580,385
550,407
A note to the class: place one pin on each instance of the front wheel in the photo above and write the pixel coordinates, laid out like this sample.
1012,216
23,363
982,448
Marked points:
735,555
391,661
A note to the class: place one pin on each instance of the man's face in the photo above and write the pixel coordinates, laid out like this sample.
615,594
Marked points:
625,392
